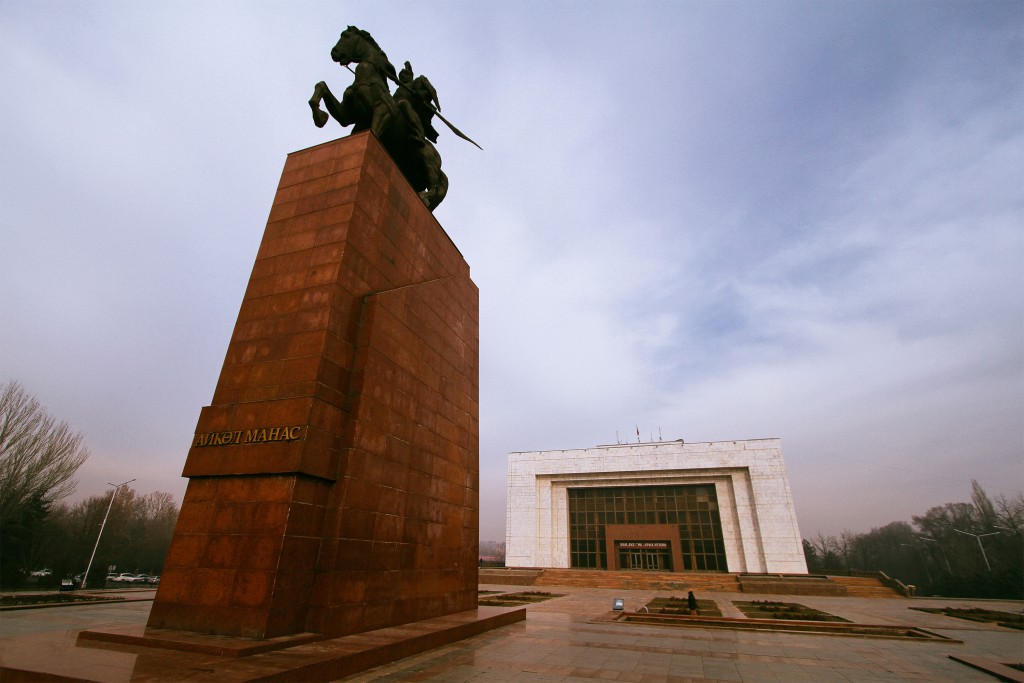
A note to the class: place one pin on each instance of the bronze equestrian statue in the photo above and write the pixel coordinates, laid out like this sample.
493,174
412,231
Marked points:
403,122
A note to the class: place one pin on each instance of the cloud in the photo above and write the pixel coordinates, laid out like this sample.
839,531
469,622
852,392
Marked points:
712,220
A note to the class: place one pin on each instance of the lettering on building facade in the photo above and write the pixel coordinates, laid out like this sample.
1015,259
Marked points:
643,544
248,436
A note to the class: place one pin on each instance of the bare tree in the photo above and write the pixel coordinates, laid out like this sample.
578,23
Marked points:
38,455
826,549
934,554
137,537
846,542
986,511
1010,513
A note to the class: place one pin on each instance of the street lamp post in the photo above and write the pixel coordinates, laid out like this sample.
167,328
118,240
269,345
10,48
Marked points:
978,538
941,549
85,577
924,562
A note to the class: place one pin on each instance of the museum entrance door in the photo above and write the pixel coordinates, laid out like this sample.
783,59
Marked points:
645,555
645,547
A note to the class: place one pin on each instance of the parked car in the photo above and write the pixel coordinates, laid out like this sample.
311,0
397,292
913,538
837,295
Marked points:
67,585
124,577
41,573
140,578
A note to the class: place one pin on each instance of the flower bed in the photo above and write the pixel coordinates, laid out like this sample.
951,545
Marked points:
674,605
517,599
36,599
987,616
792,611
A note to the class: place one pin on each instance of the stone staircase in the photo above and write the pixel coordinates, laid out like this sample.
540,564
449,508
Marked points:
865,587
639,580
791,584
771,584
508,577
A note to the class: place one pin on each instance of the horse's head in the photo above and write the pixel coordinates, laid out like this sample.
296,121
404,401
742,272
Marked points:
349,47
356,45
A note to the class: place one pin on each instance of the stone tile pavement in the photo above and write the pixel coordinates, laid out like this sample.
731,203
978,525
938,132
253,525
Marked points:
560,641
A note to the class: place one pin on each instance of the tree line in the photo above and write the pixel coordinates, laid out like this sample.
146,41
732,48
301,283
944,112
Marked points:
971,549
135,539
39,457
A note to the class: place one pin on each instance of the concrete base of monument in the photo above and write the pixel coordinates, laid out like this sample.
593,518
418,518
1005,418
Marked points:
166,654
189,641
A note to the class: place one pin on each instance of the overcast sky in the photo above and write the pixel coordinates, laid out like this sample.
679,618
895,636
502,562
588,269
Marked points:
705,220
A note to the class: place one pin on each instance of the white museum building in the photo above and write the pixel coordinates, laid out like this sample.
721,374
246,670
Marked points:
664,506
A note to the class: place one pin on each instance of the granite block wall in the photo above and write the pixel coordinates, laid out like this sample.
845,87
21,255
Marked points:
334,478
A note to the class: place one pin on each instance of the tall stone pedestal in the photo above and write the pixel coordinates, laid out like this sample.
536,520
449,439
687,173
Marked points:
334,479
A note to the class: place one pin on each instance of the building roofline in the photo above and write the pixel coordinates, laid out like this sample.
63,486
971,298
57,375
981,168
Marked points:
649,443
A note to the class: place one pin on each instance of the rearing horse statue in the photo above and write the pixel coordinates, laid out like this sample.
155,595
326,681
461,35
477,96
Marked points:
369,104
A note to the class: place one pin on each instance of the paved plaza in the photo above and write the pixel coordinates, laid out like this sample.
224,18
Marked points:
567,639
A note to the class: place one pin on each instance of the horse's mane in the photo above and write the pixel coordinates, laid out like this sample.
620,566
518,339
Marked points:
365,35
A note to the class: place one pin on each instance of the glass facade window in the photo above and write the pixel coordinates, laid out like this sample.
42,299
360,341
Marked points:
692,508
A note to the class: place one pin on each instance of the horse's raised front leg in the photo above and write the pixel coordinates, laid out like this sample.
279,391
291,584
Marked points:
321,93
320,117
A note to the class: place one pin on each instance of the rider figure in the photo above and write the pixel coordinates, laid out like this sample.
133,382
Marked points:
414,97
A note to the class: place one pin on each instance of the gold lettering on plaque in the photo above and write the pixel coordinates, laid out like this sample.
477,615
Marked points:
248,436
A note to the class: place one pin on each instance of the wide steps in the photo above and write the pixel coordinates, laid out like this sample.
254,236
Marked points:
508,577
865,587
852,586
791,584
638,580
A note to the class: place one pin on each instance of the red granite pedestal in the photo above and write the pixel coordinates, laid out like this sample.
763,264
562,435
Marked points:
334,479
